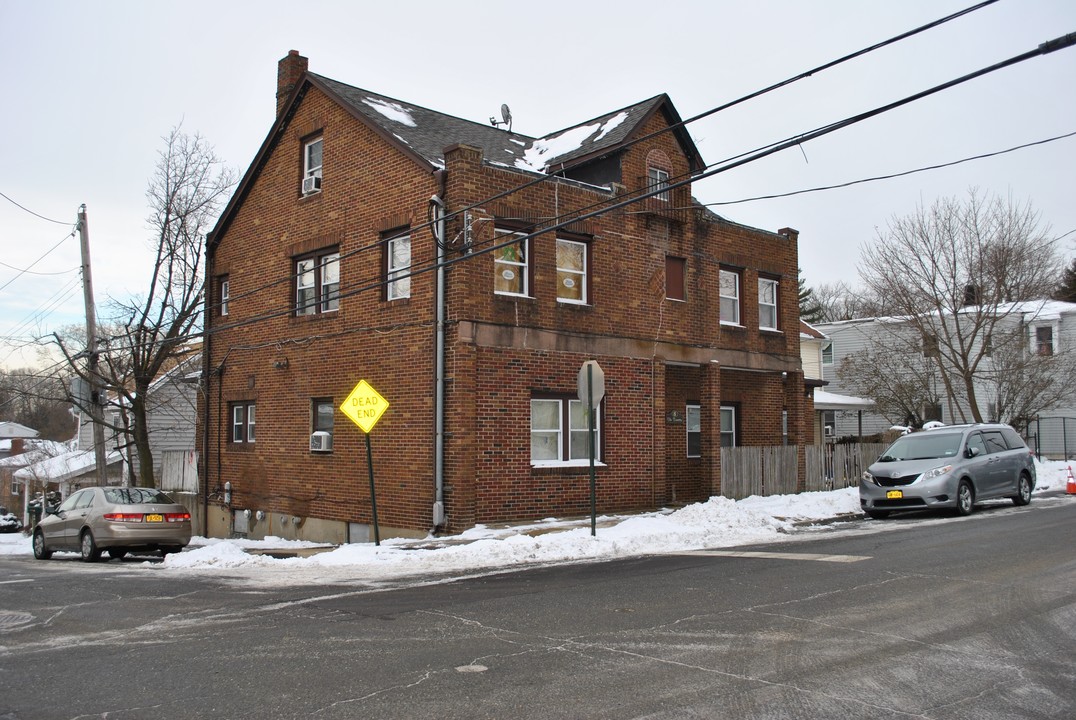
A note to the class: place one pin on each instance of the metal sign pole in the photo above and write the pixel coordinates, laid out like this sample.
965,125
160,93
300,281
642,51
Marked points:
373,495
590,444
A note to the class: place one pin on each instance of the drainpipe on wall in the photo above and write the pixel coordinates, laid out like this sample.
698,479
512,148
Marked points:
437,208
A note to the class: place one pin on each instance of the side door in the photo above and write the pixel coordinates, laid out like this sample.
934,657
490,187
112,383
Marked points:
69,514
1005,468
978,465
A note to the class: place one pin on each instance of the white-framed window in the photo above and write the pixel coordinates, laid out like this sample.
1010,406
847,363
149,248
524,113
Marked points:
225,294
1044,340
312,158
784,427
693,423
317,283
511,269
572,271
321,419
16,487
728,426
658,179
559,432
398,263
827,352
242,422
767,304
730,297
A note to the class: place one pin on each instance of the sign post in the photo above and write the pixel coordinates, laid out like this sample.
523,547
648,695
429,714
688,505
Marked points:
591,391
365,406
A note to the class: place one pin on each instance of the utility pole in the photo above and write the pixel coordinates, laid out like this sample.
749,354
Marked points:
96,412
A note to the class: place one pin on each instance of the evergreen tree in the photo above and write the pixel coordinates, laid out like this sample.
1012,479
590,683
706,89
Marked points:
810,309
1066,289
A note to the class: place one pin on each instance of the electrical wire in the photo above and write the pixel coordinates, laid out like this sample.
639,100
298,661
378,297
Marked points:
35,262
569,166
37,215
891,176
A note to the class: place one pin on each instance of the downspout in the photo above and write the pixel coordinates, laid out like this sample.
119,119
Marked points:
437,207
206,360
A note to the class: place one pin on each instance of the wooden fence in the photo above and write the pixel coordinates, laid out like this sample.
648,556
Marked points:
179,471
773,470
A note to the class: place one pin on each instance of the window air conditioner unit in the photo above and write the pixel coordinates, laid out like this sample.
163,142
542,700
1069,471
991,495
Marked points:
311,184
321,441
828,430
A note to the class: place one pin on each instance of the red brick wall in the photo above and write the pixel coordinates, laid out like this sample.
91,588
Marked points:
368,187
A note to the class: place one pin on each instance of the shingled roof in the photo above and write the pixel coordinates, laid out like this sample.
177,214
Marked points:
423,134
427,132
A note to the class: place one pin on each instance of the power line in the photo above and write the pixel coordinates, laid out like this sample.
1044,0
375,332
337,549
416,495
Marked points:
35,262
566,167
713,169
37,215
31,272
891,176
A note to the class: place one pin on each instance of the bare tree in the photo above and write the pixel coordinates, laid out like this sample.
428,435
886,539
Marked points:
961,274
151,332
839,301
897,377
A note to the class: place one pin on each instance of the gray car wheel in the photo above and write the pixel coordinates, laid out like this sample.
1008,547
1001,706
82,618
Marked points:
90,551
965,498
1023,490
41,551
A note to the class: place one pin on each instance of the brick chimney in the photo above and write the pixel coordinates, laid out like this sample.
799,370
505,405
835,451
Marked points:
289,70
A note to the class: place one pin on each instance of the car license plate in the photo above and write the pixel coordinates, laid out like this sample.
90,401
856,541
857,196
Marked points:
894,495
155,518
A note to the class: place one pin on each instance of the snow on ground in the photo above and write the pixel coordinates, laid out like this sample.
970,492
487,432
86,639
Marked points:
719,522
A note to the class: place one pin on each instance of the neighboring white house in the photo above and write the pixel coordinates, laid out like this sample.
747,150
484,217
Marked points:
1048,326
171,414
828,405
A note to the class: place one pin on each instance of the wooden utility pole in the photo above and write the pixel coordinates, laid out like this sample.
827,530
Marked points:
95,409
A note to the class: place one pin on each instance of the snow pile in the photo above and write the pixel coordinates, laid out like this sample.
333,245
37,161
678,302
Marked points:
718,522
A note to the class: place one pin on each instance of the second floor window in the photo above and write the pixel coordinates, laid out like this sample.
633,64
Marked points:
730,297
224,295
312,166
675,278
658,179
1044,340
571,271
511,265
827,353
398,267
242,422
767,304
317,283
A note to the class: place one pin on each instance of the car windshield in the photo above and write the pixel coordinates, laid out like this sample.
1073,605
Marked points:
135,496
923,446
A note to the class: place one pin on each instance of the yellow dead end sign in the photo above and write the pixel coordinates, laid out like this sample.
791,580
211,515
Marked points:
364,406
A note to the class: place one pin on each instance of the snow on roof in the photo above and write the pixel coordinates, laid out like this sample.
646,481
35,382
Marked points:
63,467
392,111
15,430
35,451
543,152
824,400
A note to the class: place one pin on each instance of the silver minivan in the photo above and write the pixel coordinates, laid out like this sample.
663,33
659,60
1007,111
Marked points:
953,466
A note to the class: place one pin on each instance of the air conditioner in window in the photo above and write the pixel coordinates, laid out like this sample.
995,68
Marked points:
828,430
321,441
311,184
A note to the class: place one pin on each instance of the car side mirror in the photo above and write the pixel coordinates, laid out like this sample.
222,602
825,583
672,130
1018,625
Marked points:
972,452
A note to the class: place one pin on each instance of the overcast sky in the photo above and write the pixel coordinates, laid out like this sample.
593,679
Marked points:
91,87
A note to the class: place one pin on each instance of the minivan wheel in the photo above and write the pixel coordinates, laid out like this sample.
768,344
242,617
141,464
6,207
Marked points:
1023,490
90,551
41,552
965,498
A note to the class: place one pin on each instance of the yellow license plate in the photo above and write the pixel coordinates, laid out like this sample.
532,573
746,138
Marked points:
155,518
894,495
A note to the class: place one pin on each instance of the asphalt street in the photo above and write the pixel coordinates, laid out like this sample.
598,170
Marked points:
923,616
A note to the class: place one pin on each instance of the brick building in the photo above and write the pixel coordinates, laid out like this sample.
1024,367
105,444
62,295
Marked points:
326,269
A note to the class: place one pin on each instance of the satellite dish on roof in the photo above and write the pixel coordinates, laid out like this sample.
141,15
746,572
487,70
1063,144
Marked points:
506,118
